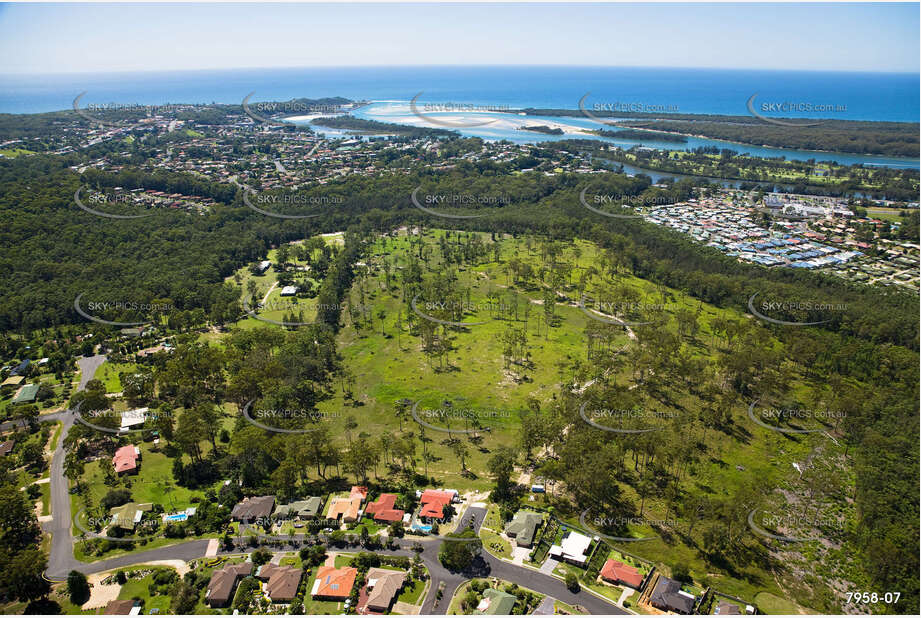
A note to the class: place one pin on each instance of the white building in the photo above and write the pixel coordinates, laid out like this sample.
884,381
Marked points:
132,418
573,548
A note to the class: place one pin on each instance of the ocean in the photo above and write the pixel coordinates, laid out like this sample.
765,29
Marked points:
851,96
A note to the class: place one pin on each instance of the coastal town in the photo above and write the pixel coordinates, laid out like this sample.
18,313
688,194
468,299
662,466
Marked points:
773,229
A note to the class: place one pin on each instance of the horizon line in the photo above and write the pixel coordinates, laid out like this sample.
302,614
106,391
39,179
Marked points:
471,66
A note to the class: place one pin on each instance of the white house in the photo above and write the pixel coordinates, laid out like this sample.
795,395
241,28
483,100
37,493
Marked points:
132,418
573,548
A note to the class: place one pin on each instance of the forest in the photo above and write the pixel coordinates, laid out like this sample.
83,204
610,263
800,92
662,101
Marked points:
897,139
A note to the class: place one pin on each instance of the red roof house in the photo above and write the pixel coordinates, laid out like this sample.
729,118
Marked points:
617,572
433,502
334,584
125,459
383,510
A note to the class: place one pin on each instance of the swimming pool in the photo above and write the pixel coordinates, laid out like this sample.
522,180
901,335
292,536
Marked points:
177,517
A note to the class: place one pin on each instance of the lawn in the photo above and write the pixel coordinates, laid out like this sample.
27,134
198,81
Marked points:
412,592
455,606
108,373
768,603
495,544
138,588
46,498
54,437
390,367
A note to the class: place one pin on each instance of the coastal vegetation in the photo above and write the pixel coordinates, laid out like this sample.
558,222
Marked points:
898,139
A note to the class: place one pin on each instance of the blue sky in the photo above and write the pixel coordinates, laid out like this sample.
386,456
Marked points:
65,38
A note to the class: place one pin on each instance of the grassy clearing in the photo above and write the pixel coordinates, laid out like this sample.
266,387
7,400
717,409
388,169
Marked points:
109,374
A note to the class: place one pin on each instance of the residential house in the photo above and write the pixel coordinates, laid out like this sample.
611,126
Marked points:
281,581
131,419
224,582
21,369
128,516
348,509
333,584
126,459
523,527
12,383
122,607
6,447
669,597
495,603
383,509
433,503
725,608
573,548
308,508
288,290
616,572
26,394
384,585
253,508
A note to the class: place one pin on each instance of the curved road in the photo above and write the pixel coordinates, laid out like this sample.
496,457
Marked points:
62,560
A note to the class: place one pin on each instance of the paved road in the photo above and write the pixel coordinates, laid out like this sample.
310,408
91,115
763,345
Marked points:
62,560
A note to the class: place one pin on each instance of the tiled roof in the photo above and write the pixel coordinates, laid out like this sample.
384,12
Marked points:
618,572
386,584
334,583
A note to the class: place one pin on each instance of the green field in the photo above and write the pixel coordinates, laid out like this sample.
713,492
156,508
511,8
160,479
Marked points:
109,374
